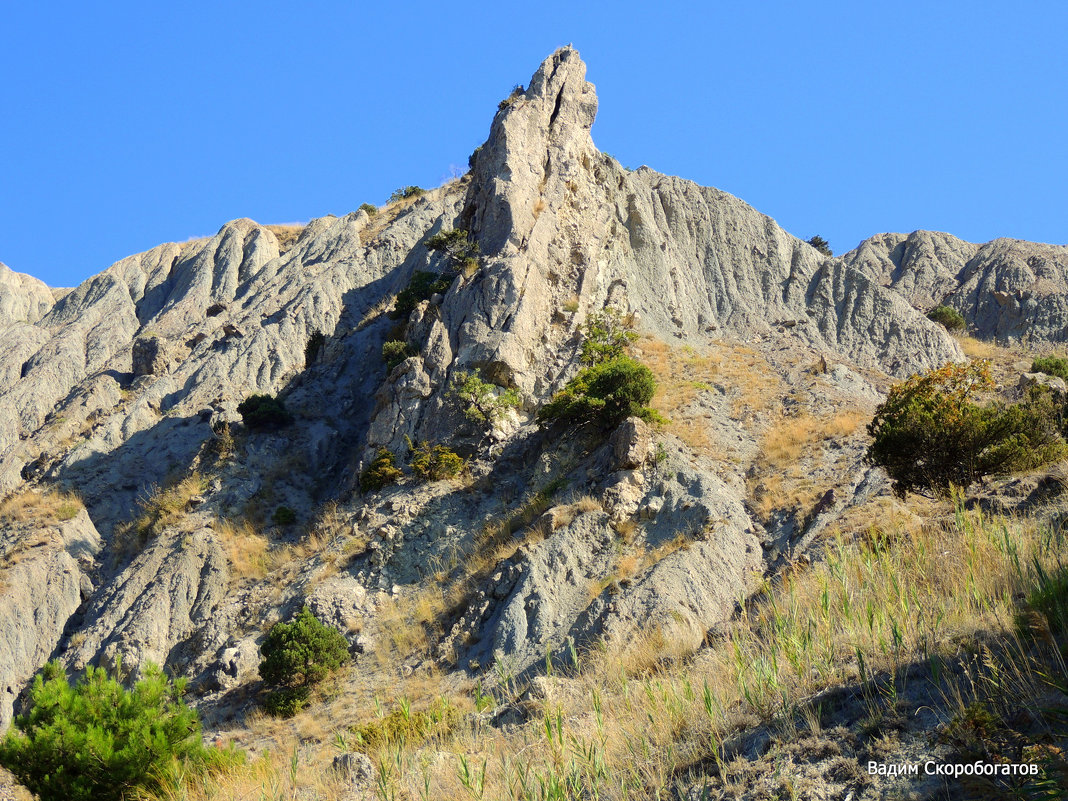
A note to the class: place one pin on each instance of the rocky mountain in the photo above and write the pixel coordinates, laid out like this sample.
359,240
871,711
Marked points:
124,391
1005,290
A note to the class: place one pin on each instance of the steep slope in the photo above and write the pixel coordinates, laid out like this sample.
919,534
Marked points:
131,382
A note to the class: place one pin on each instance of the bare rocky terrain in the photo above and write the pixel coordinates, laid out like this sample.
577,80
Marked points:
770,358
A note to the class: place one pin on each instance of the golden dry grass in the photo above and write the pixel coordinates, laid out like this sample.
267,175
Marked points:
45,507
165,507
978,349
246,549
287,235
784,475
630,720
682,373
790,437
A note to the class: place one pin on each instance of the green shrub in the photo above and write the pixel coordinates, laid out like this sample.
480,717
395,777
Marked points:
263,412
517,92
436,463
473,158
285,702
97,741
948,317
296,656
314,346
420,288
605,393
396,351
369,209
482,402
381,472
931,435
406,192
284,516
607,335
1051,365
821,245
454,243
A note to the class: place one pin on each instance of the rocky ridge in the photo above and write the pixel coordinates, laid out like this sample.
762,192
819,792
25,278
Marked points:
131,381
1006,289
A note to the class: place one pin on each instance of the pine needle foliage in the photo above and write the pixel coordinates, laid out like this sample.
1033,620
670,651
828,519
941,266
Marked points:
949,317
382,472
482,402
607,336
97,741
296,656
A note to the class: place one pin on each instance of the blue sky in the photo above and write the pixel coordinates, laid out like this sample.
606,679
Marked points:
125,125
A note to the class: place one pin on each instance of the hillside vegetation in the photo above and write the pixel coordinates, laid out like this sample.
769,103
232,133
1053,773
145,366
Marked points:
558,481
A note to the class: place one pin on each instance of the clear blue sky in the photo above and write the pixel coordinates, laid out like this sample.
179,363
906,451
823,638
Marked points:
129,124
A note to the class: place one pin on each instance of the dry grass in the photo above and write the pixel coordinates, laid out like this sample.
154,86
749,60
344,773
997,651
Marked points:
683,373
382,307
978,349
633,717
246,549
784,476
287,235
46,507
790,437
166,507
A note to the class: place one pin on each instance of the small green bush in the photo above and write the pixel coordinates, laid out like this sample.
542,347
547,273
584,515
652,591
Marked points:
284,516
1049,598
395,351
455,244
517,92
97,741
406,192
931,434
285,702
436,463
263,412
1051,365
369,209
296,656
482,402
473,158
948,317
422,286
605,393
821,245
314,346
380,473
607,335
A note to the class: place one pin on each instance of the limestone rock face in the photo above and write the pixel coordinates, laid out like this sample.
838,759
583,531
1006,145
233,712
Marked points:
152,610
923,266
43,581
148,357
1005,289
23,299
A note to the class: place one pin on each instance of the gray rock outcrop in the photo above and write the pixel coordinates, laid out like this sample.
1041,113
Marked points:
43,581
23,298
1006,289
153,610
